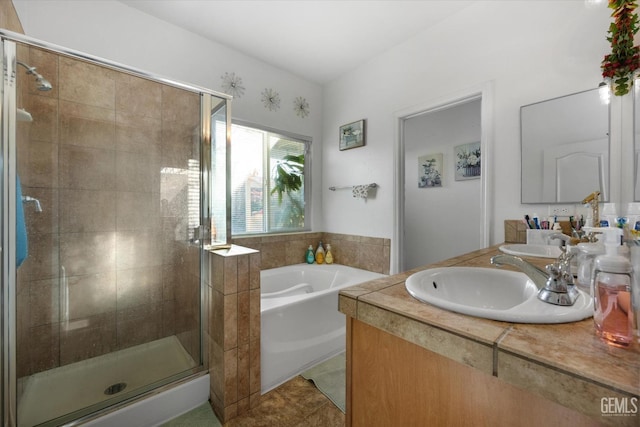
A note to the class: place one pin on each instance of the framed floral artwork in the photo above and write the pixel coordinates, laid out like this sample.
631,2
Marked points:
352,135
430,171
467,158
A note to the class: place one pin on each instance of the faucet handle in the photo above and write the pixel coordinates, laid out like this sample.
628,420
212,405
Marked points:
567,278
559,289
554,271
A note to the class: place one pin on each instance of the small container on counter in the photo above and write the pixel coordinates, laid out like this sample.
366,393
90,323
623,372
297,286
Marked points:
611,279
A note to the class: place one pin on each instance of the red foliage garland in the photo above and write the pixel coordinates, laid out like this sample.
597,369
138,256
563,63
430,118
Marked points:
621,64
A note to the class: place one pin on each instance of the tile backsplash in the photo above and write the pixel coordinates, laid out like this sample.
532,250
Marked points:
515,231
367,253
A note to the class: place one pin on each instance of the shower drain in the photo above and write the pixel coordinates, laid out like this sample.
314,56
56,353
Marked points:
115,388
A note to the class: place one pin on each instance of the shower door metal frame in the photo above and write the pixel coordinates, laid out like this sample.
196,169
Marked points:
8,292
8,173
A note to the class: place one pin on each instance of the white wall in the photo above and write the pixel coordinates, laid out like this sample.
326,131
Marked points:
114,31
530,51
429,212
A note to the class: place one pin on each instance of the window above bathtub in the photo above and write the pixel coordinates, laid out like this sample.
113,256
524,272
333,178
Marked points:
270,173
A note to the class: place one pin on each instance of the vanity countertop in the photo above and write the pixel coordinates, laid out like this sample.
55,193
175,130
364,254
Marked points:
566,363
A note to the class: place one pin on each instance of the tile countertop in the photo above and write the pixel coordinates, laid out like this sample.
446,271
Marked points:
565,363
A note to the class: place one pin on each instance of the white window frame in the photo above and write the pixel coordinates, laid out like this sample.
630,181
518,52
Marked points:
306,140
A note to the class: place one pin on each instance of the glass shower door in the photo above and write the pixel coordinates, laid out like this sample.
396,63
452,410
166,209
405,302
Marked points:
108,297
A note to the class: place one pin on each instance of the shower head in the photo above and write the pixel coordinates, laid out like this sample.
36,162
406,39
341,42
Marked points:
41,83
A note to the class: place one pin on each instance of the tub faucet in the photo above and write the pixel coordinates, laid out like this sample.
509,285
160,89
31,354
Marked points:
555,285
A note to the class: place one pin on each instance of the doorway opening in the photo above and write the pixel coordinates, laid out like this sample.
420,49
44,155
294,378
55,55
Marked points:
442,165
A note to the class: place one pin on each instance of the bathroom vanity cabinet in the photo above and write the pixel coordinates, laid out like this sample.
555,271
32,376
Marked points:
413,364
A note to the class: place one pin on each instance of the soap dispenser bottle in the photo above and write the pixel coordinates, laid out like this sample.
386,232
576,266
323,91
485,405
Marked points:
320,254
635,286
328,257
309,257
611,284
609,217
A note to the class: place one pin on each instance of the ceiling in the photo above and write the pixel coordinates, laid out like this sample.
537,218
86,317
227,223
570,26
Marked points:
315,39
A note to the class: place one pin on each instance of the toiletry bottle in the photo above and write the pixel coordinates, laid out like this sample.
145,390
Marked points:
587,252
633,214
536,221
635,287
611,280
328,257
320,254
309,257
609,217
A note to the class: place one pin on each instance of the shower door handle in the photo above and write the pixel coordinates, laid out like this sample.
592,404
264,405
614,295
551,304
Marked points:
200,233
29,199
65,295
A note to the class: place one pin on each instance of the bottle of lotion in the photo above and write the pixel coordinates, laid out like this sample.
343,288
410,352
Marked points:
320,254
635,287
309,257
611,278
328,257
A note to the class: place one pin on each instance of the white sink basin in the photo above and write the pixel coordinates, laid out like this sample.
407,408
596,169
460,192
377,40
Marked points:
492,294
539,251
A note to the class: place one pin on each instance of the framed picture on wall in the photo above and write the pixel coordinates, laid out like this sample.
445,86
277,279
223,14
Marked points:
430,171
352,135
467,158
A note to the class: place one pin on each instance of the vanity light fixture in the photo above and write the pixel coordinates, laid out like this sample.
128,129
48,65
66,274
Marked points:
605,93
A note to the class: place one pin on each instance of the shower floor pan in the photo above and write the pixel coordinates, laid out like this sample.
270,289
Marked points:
57,392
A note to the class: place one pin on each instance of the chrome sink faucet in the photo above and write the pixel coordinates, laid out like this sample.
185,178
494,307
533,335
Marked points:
555,285
536,274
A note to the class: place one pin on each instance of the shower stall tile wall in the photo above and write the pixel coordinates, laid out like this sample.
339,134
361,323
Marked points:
9,18
109,258
111,303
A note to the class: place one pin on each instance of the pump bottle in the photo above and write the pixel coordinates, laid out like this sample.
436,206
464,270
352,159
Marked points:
320,254
309,257
611,284
328,257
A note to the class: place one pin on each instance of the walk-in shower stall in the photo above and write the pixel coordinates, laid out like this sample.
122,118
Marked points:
106,210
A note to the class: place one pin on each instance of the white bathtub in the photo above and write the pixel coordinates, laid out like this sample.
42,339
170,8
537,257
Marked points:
301,324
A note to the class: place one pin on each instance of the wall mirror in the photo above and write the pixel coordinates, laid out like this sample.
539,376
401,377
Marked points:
565,149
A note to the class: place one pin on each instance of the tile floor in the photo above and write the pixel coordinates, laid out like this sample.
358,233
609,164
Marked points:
296,403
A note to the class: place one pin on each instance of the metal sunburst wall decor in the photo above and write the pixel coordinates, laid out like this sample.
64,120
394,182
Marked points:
271,99
301,107
232,85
